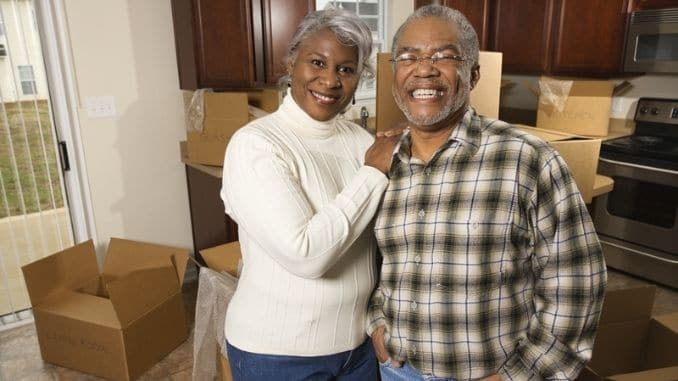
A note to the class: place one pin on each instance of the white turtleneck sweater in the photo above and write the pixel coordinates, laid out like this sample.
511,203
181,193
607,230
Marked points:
303,201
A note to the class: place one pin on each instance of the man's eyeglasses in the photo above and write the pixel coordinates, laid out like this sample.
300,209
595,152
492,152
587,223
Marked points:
438,59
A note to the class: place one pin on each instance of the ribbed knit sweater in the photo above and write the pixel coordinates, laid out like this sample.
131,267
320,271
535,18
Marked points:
304,204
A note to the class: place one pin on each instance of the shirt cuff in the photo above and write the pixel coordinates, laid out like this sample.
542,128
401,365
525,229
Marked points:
515,370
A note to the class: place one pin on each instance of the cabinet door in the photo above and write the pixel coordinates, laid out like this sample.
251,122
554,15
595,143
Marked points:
521,31
280,21
588,36
214,43
476,11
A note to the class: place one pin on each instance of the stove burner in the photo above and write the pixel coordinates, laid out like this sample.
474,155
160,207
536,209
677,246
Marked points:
649,140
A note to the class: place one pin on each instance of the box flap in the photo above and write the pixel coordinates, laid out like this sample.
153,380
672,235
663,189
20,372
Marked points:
138,292
662,343
124,256
265,99
618,347
237,111
83,307
670,320
628,304
661,374
223,257
64,270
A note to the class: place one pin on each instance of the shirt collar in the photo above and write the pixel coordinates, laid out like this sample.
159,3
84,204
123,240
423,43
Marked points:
467,134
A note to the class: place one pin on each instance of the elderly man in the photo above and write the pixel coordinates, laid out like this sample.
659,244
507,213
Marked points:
491,267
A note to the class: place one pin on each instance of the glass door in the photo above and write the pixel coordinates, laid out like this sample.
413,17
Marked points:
34,214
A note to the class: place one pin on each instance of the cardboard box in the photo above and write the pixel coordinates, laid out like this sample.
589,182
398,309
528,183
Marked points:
631,345
115,324
575,106
224,114
226,258
484,97
579,152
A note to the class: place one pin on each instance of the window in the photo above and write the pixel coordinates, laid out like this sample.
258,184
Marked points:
27,79
372,12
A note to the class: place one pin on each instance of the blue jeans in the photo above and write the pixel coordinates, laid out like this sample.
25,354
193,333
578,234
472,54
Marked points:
405,373
359,364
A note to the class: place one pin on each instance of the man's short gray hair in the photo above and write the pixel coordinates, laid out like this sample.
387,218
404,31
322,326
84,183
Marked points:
347,26
468,38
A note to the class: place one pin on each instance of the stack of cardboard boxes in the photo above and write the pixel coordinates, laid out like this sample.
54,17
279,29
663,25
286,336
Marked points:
223,114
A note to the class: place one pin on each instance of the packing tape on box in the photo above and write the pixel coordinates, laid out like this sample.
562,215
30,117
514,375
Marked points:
195,115
553,92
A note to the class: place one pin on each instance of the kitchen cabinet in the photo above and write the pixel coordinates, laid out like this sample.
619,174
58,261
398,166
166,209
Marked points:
560,37
476,11
565,37
588,37
653,4
210,224
521,30
233,44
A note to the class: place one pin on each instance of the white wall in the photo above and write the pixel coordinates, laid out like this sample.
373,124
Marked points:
518,95
125,49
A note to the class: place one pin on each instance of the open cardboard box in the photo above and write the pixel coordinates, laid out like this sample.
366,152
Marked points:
115,324
579,152
484,97
224,114
575,105
631,345
226,258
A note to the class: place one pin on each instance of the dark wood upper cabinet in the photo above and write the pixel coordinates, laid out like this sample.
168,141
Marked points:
560,37
476,11
521,30
653,4
283,18
235,43
588,37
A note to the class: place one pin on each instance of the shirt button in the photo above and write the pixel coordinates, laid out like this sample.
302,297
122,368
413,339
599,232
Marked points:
421,214
413,306
475,225
413,350
427,171
417,259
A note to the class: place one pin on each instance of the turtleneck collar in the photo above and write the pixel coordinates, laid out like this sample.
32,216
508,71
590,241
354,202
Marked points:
302,123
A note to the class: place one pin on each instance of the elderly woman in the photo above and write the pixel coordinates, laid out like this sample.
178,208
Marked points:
303,185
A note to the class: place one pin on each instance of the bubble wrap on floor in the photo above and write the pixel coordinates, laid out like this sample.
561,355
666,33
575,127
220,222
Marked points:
214,293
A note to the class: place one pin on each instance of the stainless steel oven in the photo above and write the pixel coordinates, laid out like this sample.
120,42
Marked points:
652,41
637,222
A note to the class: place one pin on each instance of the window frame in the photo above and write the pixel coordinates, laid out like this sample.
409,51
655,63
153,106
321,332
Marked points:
23,70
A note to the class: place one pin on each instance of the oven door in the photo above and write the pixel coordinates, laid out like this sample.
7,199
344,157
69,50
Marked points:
652,46
642,209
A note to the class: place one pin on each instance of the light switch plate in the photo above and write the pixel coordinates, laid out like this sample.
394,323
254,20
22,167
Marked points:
100,106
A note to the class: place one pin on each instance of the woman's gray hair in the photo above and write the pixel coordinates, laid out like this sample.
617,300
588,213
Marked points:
347,26
467,35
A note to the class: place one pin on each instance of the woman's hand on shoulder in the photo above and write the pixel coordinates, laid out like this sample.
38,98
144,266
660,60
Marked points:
380,153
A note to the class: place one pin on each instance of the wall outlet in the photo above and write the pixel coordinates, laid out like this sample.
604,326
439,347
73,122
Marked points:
100,106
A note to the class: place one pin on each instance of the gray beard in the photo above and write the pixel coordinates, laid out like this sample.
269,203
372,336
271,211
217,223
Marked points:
453,104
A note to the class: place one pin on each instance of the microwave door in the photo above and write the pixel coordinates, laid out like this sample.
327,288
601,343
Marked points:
652,47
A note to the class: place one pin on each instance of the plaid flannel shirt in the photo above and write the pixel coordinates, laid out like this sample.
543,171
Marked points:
490,260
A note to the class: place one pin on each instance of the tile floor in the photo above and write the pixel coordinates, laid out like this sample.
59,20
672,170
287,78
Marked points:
20,355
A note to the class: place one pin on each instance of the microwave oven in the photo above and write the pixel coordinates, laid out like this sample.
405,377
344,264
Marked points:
652,41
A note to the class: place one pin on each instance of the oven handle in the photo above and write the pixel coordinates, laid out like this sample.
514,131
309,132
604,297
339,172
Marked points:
653,169
638,252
